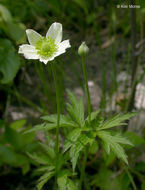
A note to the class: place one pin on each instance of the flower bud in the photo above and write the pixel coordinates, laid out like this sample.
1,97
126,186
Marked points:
83,49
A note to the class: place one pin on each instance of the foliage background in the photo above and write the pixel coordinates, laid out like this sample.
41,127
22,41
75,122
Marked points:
27,90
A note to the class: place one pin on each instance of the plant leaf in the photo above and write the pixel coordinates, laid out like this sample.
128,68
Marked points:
41,158
50,151
43,179
72,137
134,138
116,121
71,185
65,121
62,179
9,61
93,115
76,109
112,142
77,147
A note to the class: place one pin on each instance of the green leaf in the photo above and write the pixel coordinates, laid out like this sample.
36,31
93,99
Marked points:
18,124
102,179
10,157
39,127
43,179
116,121
134,138
27,138
36,128
72,137
13,137
9,61
40,158
43,126
62,180
67,145
25,168
109,159
93,148
50,151
16,31
71,185
44,169
77,147
74,160
121,139
65,121
93,115
112,142
7,155
76,109
105,180
5,15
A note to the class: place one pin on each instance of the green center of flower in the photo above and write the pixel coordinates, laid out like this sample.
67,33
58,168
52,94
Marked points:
46,47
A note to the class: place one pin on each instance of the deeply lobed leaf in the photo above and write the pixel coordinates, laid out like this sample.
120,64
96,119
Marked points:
112,142
116,121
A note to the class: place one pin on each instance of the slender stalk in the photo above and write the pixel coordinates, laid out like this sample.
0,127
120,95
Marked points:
58,121
86,86
131,179
89,114
134,59
83,169
104,70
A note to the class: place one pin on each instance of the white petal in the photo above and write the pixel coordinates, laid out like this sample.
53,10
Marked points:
55,32
45,61
28,51
33,36
62,47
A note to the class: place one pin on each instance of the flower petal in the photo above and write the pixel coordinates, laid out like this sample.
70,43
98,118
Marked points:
28,51
45,61
33,36
55,32
62,47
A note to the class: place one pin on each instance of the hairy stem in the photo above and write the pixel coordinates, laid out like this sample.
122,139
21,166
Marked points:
82,177
134,60
58,121
86,87
131,179
89,114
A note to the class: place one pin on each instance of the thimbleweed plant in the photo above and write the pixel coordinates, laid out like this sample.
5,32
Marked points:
80,133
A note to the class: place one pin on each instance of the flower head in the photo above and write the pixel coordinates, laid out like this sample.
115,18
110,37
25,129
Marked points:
45,48
83,49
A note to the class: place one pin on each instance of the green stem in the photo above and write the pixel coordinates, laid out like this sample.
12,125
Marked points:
89,114
86,86
131,178
83,169
58,121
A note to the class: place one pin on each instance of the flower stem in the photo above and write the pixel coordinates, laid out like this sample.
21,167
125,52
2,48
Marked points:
82,177
86,86
58,121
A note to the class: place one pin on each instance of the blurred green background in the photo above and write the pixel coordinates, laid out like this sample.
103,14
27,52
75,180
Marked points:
116,73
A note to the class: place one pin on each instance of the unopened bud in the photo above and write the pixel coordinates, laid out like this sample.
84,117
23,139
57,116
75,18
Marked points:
83,49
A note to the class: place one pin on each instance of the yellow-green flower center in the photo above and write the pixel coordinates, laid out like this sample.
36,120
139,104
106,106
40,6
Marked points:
46,47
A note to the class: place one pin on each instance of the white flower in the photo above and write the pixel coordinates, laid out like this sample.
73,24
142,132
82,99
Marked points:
45,48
